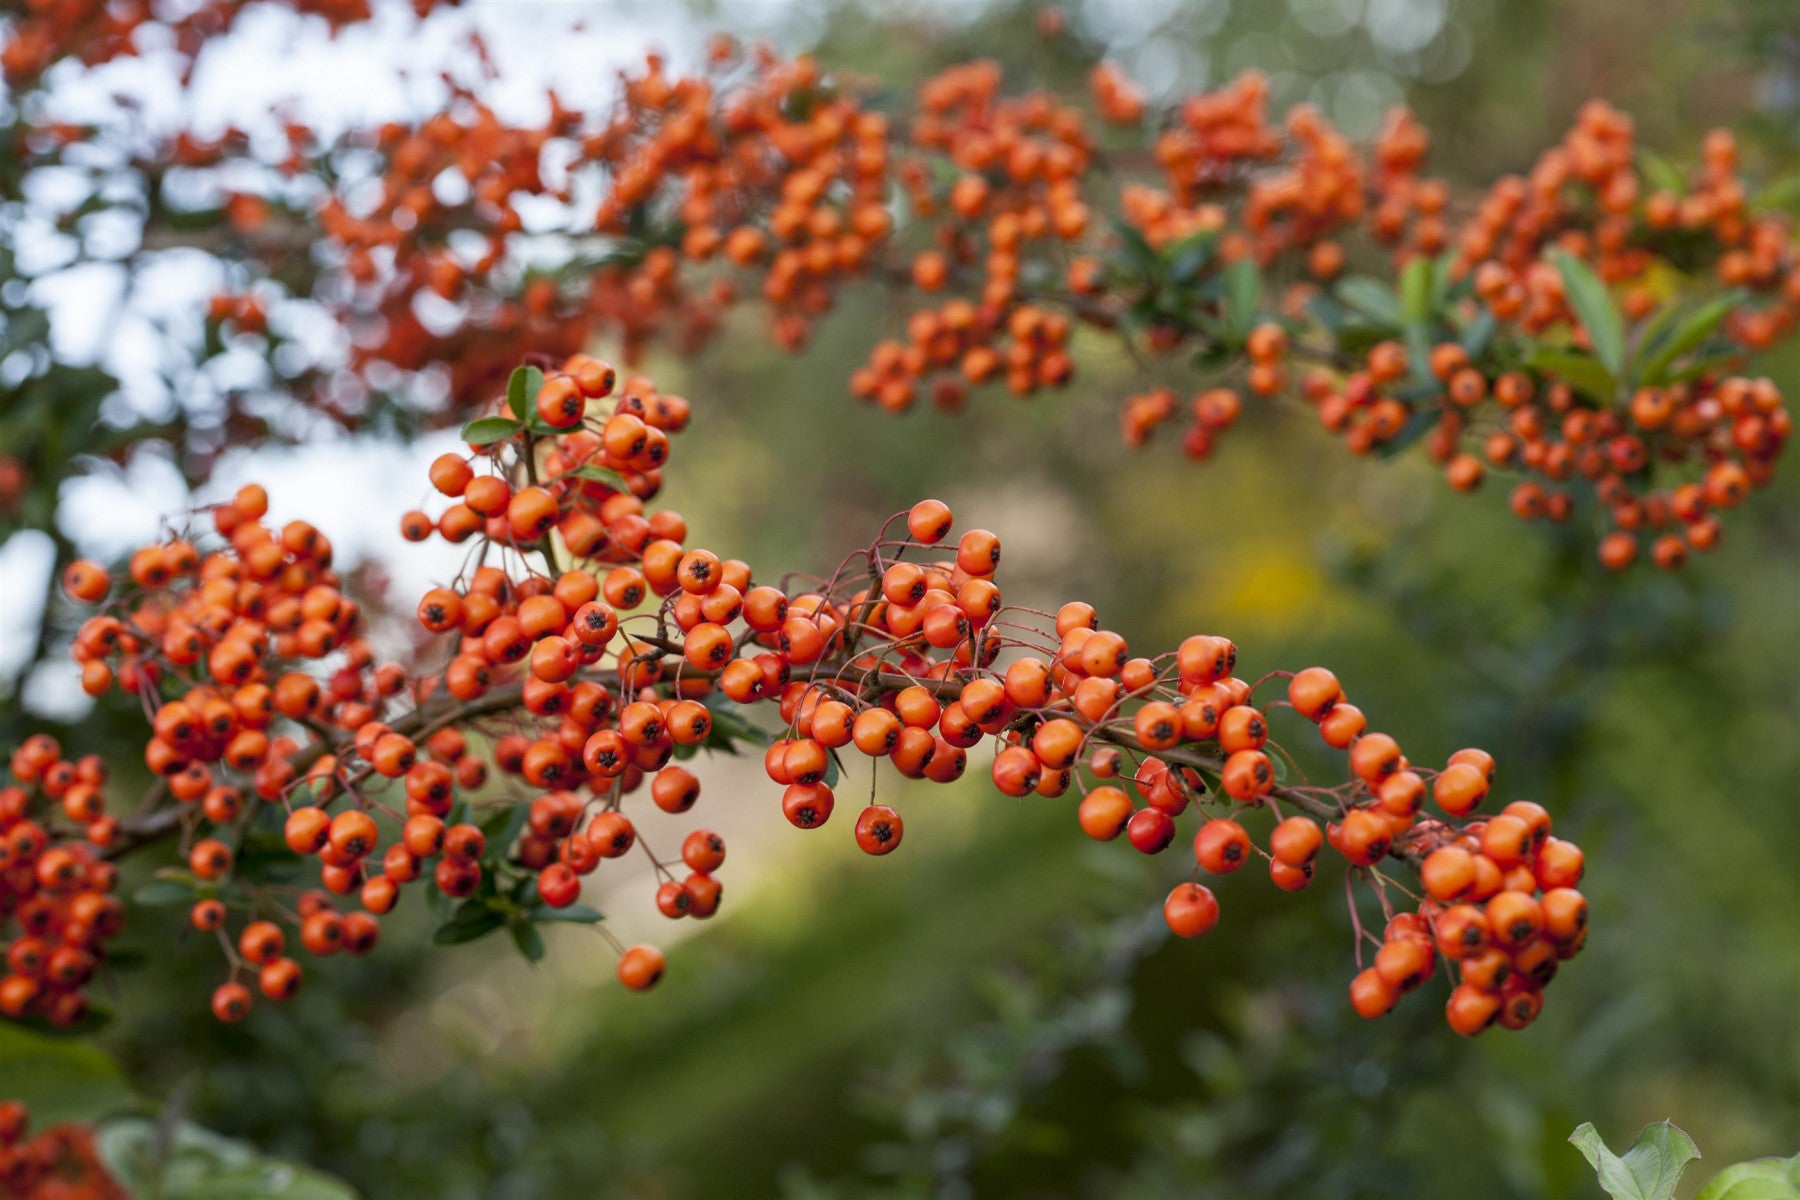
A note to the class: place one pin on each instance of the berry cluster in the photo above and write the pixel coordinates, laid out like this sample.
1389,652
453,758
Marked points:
1587,323
58,1163
57,905
42,32
589,648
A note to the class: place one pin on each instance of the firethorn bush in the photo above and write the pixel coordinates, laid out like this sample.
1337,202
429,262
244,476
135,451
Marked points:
587,648
1583,327
58,1162
1588,329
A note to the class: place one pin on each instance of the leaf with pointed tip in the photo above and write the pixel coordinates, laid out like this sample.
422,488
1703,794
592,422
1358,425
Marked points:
530,942
1594,308
1686,337
1649,1170
472,920
485,431
576,914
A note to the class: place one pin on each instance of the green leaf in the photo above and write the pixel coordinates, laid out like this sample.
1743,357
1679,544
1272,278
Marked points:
1686,338
1649,1170
530,942
1651,334
1190,256
833,770
472,920
1594,307
1781,194
1417,426
577,914
1416,291
502,828
1326,310
609,477
1661,174
1143,258
730,727
186,1162
1478,333
1373,299
1577,370
522,388
1759,1179
487,430
1243,291
163,892
60,1078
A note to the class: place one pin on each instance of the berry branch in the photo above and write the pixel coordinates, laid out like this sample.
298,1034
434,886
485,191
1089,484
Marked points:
278,739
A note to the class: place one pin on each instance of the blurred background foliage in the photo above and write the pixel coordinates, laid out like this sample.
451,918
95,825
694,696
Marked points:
997,1011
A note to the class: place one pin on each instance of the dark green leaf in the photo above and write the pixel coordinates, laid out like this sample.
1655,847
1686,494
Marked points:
1593,306
522,388
502,827
530,942
1686,337
1190,256
579,914
163,892
467,925
1417,426
487,430
730,727
1143,258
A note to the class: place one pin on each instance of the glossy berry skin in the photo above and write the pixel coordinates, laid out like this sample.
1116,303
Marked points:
878,830
1150,830
641,967
1191,910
